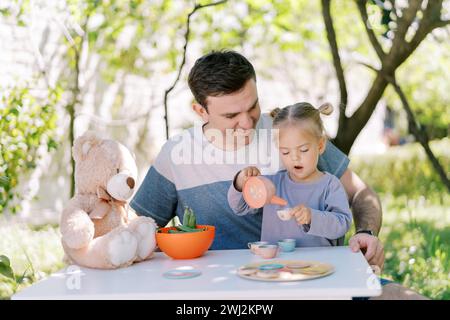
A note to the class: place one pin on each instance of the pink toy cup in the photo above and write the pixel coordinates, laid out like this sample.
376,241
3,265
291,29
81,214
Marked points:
253,246
267,251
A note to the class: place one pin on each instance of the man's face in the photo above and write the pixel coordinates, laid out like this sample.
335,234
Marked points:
233,115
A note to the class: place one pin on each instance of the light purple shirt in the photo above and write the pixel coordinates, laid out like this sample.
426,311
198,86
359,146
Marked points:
330,213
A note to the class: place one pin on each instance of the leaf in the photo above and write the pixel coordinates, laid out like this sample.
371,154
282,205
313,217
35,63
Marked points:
4,181
52,144
14,111
5,267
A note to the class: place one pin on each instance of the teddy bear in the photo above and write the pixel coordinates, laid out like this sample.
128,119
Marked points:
98,229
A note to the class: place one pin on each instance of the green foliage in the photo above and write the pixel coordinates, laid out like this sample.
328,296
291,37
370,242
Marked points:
5,267
28,254
268,25
189,219
16,9
416,218
417,252
6,271
424,81
27,124
405,172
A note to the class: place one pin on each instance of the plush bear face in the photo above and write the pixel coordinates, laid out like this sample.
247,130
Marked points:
102,164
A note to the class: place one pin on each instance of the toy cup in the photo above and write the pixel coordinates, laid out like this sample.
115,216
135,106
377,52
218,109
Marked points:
267,251
253,246
287,245
284,214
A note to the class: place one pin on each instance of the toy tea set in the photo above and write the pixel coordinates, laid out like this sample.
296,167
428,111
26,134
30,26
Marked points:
189,241
281,270
259,191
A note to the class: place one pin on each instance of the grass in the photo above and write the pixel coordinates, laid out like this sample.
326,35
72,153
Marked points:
416,216
415,232
34,253
417,246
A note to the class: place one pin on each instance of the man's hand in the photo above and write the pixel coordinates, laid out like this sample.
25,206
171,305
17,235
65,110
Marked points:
301,214
371,247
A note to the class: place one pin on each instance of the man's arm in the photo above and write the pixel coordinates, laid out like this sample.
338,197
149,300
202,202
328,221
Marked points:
365,204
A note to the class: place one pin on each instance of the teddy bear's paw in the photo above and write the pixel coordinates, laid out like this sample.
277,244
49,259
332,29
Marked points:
147,241
122,248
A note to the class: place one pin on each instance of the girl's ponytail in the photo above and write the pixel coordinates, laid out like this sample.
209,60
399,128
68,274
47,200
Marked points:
274,112
326,108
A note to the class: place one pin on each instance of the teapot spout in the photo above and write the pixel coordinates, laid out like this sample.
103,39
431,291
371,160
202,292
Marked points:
279,201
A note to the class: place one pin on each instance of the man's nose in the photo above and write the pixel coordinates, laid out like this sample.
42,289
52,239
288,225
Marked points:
246,122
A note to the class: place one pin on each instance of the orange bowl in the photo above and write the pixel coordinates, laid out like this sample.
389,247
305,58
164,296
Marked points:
187,245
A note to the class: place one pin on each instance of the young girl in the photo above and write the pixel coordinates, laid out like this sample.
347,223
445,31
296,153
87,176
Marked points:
320,212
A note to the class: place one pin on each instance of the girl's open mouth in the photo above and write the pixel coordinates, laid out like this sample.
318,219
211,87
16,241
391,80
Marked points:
298,167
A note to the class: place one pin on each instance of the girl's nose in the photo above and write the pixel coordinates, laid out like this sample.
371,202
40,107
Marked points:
295,155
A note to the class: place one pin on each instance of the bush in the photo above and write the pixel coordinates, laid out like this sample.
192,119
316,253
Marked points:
26,125
405,172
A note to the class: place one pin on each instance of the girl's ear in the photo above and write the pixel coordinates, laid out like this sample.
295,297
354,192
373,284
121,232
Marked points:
322,145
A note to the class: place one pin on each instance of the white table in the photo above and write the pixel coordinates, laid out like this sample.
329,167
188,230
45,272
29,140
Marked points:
352,278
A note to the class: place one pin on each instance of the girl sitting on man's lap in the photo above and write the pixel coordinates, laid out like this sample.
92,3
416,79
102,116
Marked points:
320,210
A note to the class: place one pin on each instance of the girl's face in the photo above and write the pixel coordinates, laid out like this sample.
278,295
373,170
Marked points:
299,151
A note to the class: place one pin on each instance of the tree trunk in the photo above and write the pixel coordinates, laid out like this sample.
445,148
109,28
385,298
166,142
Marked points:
347,135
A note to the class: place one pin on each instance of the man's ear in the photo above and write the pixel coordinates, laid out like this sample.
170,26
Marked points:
322,145
201,111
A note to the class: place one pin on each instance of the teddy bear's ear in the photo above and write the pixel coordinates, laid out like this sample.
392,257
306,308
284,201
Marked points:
83,144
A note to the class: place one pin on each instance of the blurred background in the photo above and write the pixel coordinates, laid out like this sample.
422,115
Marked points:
120,67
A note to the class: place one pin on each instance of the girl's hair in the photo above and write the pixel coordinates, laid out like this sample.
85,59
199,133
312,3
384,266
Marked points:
303,111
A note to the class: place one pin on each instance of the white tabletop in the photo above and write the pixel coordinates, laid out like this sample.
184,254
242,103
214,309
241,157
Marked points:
352,278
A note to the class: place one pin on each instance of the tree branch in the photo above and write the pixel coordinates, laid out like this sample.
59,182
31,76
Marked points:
431,20
331,36
441,24
399,52
403,24
76,97
415,127
183,61
372,37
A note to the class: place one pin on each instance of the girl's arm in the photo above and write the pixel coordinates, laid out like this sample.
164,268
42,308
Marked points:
336,219
236,200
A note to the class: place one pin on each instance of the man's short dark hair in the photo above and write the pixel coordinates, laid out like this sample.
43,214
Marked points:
218,73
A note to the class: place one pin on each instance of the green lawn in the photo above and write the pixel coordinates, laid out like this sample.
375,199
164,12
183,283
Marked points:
416,220
415,232
416,237
33,252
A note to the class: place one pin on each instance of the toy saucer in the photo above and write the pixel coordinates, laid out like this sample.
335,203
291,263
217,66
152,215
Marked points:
271,266
181,274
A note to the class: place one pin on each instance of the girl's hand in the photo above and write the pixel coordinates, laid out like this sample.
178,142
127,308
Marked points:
244,175
301,214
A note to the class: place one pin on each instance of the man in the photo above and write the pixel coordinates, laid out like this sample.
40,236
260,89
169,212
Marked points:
224,87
